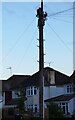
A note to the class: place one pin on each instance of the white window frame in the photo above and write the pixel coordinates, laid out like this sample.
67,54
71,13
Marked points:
35,89
69,88
35,106
30,91
64,104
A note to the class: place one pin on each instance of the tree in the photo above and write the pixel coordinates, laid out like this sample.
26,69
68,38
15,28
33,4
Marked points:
21,100
55,111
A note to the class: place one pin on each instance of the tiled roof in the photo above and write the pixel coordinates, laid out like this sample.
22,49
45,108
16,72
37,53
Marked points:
60,78
13,82
34,80
16,81
72,77
61,98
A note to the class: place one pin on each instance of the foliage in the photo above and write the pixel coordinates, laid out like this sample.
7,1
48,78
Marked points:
21,99
55,111
10,111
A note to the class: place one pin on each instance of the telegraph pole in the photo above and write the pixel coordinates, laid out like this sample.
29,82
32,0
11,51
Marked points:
41,22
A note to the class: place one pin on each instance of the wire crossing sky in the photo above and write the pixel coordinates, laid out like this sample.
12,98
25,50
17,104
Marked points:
20,34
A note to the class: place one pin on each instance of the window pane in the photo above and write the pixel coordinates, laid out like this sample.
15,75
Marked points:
31,92
35,92
63,103
28,92
63,109
74,89
67,88
67,109
35,108
70,89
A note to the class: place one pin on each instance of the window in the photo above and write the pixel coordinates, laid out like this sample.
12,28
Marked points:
30,107
35,90
35,108
31,91
74,89
64,107
69,88
28,91
67,108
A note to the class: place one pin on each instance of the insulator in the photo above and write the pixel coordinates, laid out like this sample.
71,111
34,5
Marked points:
45,15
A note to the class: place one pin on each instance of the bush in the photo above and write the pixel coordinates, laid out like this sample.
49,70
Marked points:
55,111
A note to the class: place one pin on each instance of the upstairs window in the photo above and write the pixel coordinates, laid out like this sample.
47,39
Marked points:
31,91
69,88
35,90
28,91
74,88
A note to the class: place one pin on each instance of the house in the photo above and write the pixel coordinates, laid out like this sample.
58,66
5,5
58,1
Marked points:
9,89
55,85
0,99
58,88
65,100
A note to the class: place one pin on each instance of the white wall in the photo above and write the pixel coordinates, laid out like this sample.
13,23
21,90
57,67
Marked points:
70,106
74,104
32,99
46,93
65,89
56,91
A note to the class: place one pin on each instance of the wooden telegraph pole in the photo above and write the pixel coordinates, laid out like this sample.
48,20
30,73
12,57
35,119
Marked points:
41,22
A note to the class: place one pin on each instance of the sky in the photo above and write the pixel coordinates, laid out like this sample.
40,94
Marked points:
20,34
